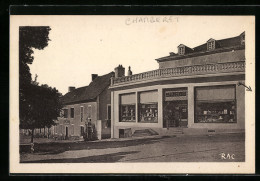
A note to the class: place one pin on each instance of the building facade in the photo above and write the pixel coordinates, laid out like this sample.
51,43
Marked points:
84,105
196,90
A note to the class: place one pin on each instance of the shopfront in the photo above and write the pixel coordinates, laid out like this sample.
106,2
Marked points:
196,108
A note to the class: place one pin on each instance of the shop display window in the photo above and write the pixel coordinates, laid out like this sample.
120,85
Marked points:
127,107
215,105
148,112
127,113
216,112
148,107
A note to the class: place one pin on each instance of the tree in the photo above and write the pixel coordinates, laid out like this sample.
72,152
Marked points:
39,105
29,37
44,108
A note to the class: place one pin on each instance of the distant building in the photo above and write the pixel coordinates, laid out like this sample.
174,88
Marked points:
86,104
195,90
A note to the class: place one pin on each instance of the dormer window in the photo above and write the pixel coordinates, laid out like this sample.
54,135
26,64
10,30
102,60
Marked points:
242,37
211,44
181,50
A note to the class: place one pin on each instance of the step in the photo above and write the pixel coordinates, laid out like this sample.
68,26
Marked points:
144,132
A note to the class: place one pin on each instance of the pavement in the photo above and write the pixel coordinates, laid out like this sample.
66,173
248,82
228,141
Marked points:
181,148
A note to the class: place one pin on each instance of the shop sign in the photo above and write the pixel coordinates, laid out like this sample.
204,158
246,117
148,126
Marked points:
175,95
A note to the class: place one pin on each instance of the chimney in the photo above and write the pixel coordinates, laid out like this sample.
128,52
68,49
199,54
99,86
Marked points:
129,71
119,71
71,88
94,76
172,54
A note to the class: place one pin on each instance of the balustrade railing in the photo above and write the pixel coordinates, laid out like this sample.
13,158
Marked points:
182,71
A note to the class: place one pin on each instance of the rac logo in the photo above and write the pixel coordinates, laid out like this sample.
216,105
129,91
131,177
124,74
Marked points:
227,156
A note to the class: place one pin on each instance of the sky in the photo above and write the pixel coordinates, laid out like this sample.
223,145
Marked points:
85,45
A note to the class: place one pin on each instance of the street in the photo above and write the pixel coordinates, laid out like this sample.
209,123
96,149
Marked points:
181,148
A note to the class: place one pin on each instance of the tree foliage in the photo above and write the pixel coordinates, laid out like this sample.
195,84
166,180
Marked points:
39,105
43,107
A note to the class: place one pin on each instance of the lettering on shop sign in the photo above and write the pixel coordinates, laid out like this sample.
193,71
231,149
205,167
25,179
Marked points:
227,156
175,94
151,20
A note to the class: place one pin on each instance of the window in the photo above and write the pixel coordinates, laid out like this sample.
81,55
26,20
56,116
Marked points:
127,108
181,50
242,39
60,129
65,113
55,129
82,131
216,104
108,121
148,106
89,112
211,45
72,112
81,113
72,129
109,112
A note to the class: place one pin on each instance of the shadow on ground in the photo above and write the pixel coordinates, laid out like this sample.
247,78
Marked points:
56,148
106,158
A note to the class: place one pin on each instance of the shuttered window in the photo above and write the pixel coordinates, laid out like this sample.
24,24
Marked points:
215,93
127,98
149,96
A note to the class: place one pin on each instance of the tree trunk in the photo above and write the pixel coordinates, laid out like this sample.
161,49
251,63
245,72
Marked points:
32,135
48,133
44,132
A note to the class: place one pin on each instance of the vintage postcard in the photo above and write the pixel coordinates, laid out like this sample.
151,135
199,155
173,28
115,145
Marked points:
132,94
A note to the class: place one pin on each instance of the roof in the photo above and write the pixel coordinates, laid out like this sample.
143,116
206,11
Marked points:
90,92
221,45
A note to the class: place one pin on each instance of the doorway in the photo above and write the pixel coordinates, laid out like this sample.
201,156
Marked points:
176,114
81,130
175,108
66,133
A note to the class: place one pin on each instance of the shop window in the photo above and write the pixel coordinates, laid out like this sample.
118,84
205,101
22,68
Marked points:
215,104
148,107
127,108
65,113
72,112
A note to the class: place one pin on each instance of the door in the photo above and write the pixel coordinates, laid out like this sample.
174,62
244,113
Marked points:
108,116
176,114
81,130
67,133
